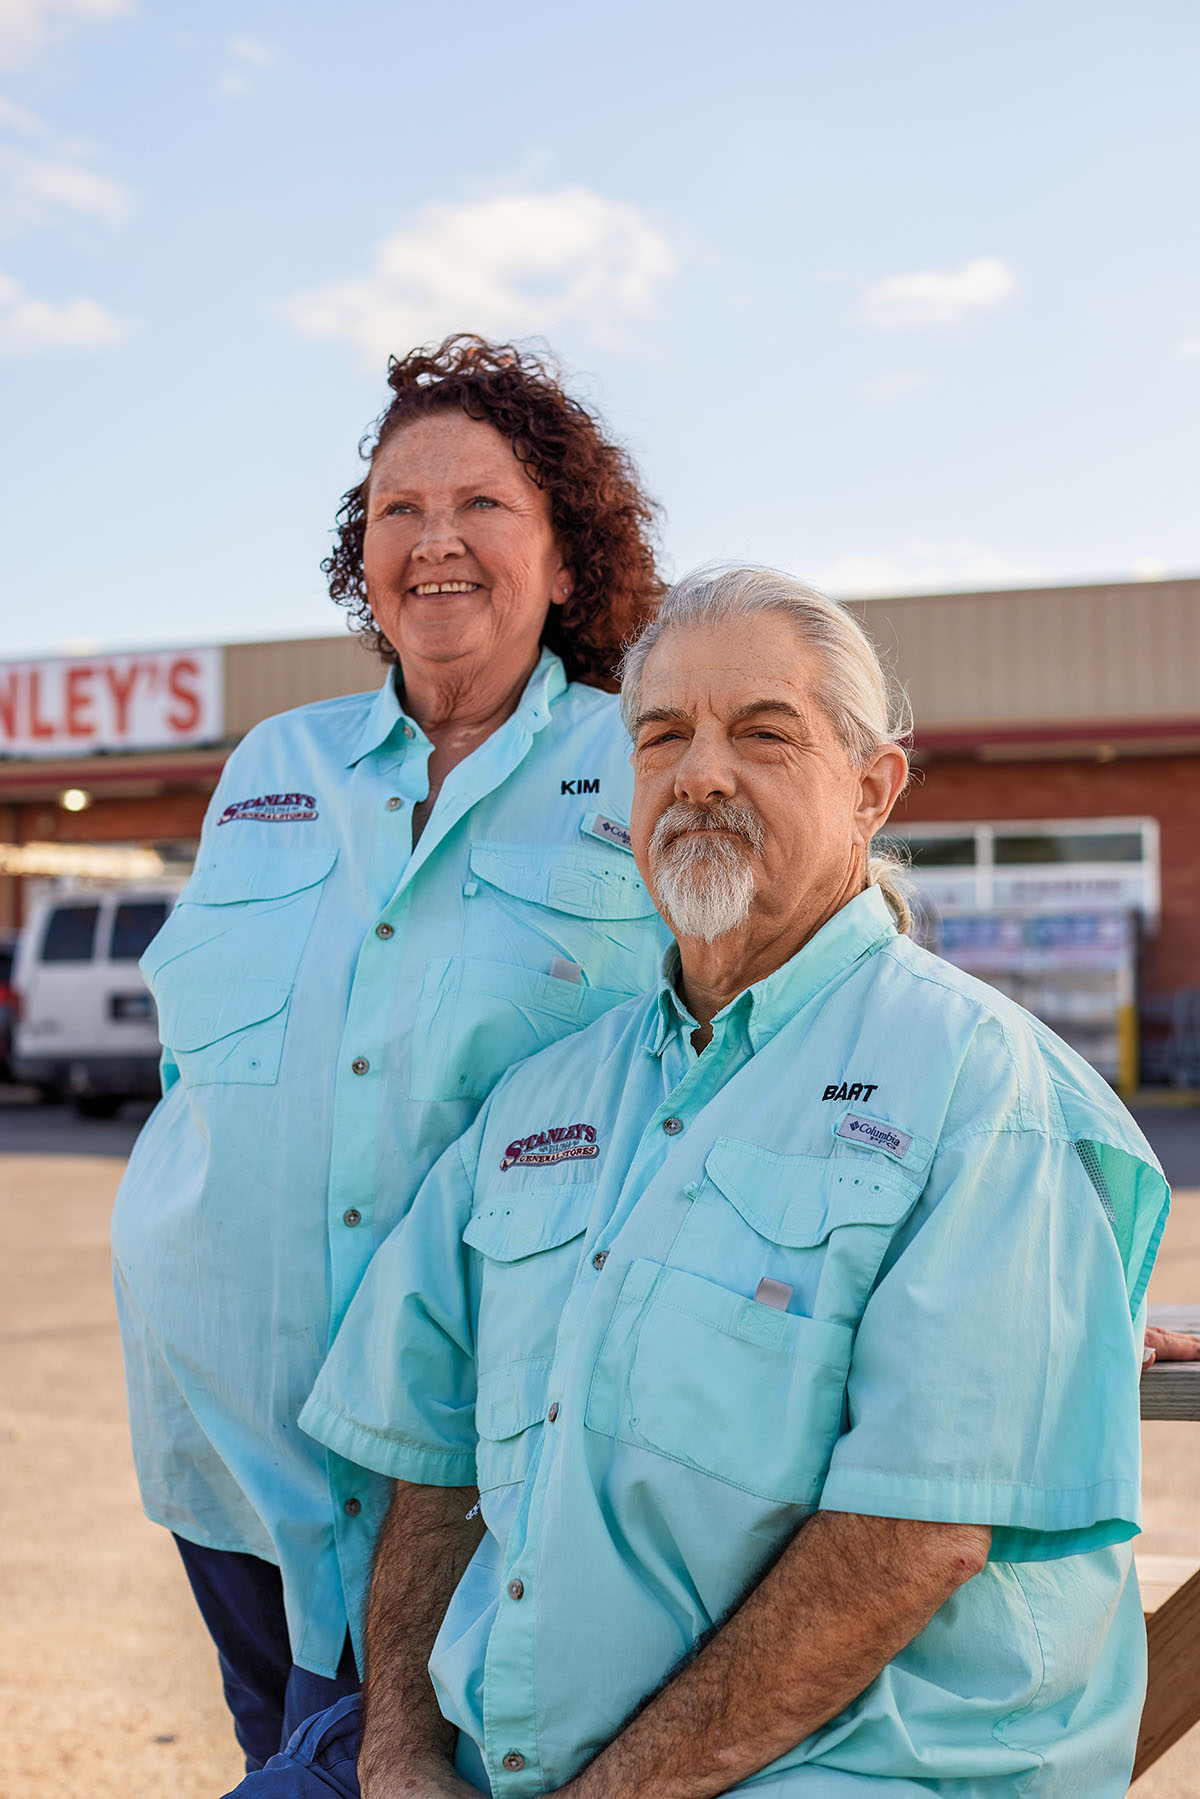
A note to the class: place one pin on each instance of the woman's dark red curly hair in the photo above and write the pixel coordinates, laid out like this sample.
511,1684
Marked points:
601,517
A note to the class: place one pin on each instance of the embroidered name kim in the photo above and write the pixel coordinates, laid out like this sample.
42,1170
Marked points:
561,1143
272,809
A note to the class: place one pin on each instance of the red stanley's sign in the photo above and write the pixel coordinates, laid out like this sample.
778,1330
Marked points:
144,699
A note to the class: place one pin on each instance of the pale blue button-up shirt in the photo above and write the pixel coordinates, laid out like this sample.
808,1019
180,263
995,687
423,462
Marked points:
955,1220
334,1006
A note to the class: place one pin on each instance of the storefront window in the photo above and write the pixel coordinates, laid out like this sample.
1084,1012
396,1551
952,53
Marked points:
1031,849
1059,865
939,852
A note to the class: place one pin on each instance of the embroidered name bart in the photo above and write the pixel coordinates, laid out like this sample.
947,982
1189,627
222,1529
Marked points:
856,1090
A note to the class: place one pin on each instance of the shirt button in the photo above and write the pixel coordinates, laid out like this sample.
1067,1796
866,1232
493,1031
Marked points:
552,1414
516,1589
353,1216
394,804
599,1259
672,1126
385,931
353,1507
514,1761
408,730
360,1065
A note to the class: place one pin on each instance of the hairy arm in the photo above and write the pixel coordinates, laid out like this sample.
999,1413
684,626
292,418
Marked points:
844,1598
425,1544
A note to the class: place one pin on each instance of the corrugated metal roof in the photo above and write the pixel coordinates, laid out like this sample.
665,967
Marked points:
1052,655
264,678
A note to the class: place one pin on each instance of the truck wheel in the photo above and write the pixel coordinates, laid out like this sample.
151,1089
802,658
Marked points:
98,1105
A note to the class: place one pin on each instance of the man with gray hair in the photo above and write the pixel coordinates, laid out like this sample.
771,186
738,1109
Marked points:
760,1372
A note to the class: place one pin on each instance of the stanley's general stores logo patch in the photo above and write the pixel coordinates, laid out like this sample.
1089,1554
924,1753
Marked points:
561,1143
272,808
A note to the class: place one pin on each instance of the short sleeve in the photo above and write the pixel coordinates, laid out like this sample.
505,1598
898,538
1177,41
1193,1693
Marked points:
994,1378
397,1391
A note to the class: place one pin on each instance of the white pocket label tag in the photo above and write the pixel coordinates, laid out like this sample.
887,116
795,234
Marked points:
607,830
880,1136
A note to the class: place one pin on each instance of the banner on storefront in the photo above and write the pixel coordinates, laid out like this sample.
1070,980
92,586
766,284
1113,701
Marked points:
139,700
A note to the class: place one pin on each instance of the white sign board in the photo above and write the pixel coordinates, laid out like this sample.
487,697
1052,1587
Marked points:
142,700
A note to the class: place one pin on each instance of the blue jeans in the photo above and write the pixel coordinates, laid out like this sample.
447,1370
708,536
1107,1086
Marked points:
321,1759
241,1601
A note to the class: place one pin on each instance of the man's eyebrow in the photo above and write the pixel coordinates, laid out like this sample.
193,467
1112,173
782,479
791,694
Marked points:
661,715
755,708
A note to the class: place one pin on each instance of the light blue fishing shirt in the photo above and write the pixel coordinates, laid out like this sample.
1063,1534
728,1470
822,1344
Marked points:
955,1219
334,1006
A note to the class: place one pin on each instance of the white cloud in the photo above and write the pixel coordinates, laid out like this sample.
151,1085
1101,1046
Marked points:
15,118
26,25
1188,347
895,384
507,265
249,49
28,323
35,189
248,53
937,296
920,565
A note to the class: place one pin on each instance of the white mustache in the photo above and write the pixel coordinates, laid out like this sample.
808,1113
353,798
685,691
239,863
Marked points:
721,815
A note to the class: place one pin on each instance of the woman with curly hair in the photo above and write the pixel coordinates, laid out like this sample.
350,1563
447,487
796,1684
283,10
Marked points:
397,895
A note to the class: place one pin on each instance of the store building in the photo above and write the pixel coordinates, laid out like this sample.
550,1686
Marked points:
1054,815
1053,821
107,762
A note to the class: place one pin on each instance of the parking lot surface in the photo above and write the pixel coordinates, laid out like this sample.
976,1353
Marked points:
109,1683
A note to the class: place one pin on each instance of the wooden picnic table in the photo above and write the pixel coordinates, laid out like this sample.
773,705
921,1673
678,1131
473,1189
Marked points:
1171,1390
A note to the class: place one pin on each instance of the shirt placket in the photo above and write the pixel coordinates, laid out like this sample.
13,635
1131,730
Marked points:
399,784
387,949
511,1708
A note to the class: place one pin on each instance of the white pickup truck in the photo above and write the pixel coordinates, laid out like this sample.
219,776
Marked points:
86,1025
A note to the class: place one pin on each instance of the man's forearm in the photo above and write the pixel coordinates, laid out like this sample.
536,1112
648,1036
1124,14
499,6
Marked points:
424,1546
845,1597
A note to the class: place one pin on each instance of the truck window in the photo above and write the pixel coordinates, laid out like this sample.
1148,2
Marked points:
70,934
134,924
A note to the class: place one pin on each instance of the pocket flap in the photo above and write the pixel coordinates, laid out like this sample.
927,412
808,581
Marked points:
192,1014
798,1200
534,1220
586,884
276,871
512,1397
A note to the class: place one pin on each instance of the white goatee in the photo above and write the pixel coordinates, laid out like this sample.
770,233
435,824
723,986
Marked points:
704,882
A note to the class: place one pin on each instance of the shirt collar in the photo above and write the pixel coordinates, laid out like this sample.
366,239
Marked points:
387,717
862,925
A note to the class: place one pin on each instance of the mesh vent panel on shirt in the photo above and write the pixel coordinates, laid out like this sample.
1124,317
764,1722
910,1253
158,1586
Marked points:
1087,1155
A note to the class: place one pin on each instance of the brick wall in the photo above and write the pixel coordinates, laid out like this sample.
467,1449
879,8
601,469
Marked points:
1163,787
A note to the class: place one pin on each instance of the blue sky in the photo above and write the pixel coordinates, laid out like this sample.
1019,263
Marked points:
893,296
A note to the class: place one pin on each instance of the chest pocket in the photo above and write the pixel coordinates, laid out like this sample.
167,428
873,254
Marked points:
527,1253
223,967
479,1013
695,1369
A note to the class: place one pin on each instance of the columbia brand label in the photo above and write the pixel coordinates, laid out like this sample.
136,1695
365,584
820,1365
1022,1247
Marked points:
272,809
608,831
561,1143
879,1136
